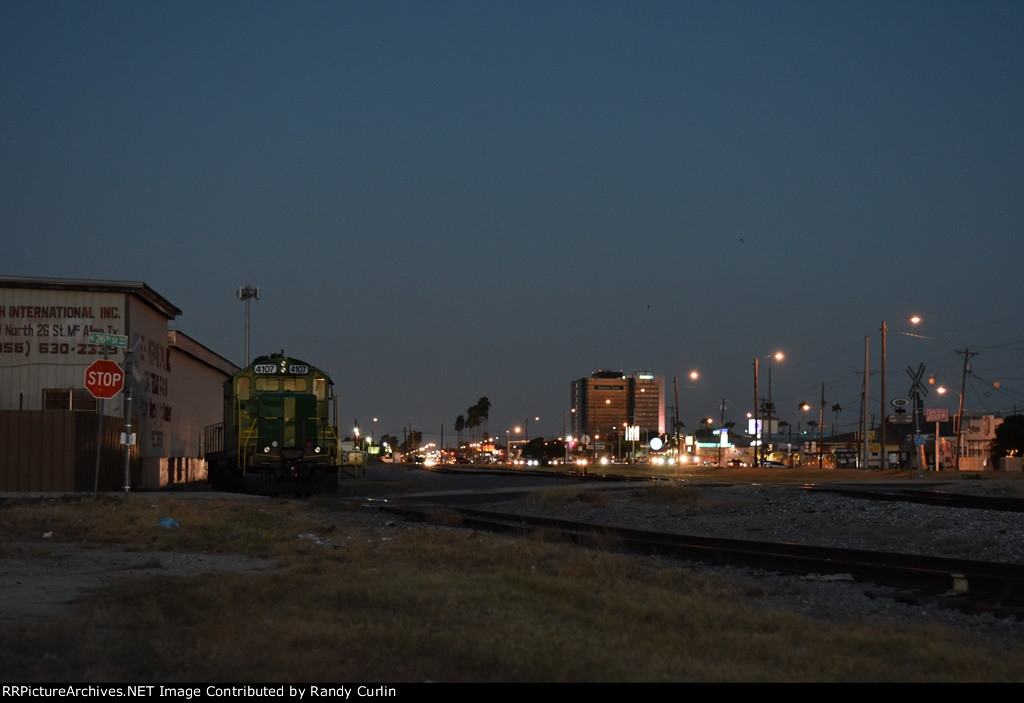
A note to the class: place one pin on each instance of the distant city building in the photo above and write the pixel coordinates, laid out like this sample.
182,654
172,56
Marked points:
607,402
647,403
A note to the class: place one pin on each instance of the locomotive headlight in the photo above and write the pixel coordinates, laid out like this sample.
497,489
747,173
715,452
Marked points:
274,443
266,450
317,450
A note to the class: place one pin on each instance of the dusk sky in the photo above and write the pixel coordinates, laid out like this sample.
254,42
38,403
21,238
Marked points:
446,200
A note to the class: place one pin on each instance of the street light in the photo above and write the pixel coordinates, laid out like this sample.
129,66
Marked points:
526,433
914,320
508,441
958,427
779,356
941,390
676,422
516,430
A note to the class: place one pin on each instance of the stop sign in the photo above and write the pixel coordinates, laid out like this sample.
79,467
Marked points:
104,378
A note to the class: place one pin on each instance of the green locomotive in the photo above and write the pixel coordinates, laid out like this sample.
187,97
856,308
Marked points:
276,436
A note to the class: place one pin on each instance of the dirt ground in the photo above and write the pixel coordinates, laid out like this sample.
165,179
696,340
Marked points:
38,581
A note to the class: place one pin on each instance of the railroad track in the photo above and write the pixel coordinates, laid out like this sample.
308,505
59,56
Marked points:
967,585
928,497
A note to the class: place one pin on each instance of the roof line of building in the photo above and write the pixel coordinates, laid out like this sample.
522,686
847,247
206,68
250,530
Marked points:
136,288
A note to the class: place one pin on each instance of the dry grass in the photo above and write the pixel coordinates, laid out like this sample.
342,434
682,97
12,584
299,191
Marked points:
412,604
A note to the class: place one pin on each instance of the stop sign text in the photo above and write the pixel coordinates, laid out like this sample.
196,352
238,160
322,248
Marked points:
104,379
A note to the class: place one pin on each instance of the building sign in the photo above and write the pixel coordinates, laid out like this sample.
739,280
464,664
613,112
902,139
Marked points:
53,327
936,414
49,337
981,429
846,458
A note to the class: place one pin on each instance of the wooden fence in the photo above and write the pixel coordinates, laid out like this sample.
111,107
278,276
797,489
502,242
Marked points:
55,450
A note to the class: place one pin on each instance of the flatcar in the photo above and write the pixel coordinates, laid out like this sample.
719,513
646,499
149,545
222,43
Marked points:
276,437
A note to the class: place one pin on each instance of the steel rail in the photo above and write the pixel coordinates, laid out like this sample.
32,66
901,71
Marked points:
943,498
999,584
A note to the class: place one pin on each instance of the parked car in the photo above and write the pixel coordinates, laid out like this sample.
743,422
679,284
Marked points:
774,465
735,463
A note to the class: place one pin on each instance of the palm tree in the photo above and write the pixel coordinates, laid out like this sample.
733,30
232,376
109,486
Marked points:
837,408
460,425
472,419
484,407
477,414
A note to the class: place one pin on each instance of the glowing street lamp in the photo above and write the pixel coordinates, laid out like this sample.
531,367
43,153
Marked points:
526,435
804,407
914,320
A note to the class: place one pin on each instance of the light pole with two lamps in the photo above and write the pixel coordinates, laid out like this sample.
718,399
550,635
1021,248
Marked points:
247,293
778,356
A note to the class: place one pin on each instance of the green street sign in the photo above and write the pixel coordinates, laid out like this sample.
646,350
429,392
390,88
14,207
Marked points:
108,340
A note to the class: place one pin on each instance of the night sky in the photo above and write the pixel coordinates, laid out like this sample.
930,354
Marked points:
446,200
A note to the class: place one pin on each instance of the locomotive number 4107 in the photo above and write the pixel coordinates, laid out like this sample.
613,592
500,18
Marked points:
293,369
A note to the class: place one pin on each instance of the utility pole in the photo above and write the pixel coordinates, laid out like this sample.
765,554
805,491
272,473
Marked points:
821,427
757,413
864,404
884,459
960,410
675,413
721,428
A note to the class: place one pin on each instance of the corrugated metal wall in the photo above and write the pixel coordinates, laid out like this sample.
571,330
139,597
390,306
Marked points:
55,450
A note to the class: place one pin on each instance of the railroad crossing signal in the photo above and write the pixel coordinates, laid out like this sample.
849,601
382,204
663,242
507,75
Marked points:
915,381
104,378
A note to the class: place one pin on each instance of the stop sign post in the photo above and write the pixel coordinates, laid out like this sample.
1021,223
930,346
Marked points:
104,378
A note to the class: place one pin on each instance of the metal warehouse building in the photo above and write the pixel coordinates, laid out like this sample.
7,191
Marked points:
51,331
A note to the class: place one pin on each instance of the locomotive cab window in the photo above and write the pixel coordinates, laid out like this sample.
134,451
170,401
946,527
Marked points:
295,384
242,388
268,383
320,388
